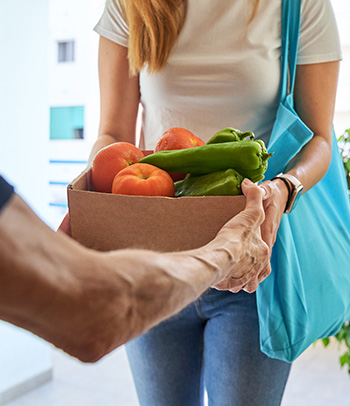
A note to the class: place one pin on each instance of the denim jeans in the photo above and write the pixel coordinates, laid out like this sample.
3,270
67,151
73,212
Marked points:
211,345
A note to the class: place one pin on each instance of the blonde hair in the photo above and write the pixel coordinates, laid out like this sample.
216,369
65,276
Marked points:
154,26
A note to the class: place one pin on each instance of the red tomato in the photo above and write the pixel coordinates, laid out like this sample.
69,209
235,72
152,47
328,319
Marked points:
109,161
177,138
143,180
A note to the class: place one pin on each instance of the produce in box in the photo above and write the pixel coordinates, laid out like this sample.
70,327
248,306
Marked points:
216,168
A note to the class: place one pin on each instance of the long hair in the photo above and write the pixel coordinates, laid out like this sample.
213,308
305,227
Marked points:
154,26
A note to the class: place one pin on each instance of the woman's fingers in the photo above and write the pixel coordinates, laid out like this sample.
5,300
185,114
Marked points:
65,226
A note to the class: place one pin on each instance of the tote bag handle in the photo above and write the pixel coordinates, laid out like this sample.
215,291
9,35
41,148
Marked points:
290,39
288,128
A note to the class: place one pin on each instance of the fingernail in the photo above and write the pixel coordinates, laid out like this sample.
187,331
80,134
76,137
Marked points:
247,181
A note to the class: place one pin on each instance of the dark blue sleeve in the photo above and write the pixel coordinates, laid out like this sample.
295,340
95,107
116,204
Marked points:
6,192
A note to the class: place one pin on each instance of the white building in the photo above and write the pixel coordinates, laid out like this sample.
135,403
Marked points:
73,93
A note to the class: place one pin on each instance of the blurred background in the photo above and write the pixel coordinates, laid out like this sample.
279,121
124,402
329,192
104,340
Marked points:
49,97
49,114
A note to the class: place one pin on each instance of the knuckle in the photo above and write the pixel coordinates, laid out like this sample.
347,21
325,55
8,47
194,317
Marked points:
267,273
251,288
265,250
236,284
220,286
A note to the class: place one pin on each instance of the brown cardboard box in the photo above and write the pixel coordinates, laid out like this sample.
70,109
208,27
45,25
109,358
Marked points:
105,221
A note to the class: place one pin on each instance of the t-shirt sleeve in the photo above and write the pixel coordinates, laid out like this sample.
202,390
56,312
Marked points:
319,38
112,24
6,192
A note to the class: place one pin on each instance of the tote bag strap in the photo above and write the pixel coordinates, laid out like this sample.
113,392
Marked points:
288,128
290,26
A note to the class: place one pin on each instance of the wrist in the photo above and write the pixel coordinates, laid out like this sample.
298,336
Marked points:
283,190
220,257
209,267
294,187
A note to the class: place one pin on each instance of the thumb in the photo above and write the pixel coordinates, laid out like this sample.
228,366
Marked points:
253,193
254,203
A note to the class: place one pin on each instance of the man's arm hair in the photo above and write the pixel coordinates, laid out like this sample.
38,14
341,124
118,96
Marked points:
84,301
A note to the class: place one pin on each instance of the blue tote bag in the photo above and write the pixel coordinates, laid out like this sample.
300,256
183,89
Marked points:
307,295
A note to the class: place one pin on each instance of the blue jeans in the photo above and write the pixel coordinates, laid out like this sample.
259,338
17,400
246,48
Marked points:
211,345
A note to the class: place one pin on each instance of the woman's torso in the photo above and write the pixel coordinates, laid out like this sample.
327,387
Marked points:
224,72
221,73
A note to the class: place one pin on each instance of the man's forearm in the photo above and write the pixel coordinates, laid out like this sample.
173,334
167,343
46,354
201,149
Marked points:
86,302
38,282
158,285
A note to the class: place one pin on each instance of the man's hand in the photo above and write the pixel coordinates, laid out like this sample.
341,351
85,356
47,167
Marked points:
246,262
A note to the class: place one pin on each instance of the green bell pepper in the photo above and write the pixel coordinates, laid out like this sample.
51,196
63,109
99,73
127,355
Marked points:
230,134
247,157
220,183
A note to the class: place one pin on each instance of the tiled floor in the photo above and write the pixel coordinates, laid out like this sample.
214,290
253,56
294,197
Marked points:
316,380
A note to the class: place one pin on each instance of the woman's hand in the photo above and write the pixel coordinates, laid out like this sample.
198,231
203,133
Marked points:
275,200
65,226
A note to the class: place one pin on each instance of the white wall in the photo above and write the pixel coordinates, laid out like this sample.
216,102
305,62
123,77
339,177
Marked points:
342,115
24,122
25,360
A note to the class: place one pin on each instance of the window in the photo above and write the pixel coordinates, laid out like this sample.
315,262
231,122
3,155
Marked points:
66,51
67,123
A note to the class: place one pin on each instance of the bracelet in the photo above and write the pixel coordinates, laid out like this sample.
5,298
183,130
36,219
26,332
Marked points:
295,189
288,187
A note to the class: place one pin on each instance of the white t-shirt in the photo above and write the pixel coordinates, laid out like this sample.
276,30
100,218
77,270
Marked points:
221,73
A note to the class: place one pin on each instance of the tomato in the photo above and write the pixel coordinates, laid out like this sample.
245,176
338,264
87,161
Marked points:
143,180
109,161
177,138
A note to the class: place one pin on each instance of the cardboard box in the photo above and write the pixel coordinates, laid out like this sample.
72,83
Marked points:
106,221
